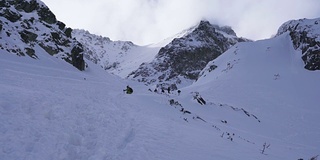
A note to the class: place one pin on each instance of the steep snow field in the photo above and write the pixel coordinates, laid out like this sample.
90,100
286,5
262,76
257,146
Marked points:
267,78
50,110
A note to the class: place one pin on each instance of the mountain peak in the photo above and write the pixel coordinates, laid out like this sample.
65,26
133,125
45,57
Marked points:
180,61
204,23
305,35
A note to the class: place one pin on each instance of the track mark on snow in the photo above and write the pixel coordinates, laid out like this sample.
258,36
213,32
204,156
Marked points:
128,139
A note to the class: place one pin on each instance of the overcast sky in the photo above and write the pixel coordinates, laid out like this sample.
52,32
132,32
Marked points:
150,21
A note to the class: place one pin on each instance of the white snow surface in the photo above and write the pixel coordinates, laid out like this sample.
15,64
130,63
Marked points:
50,110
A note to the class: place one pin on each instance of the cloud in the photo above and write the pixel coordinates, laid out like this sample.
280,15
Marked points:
150,21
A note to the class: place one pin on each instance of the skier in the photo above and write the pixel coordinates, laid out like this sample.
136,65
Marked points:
179,92
129,90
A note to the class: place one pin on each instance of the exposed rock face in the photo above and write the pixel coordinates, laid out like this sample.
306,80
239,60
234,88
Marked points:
77,58
27,25
305,35
184,58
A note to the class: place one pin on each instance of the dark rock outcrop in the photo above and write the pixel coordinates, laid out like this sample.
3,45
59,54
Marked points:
61,25
310,49
27,6
46,15
77,57
28,36
31,52
10,15
3,3
68,32
49,49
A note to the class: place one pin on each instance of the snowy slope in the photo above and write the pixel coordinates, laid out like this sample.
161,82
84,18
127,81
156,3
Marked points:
267,79
50,110
58,112
117,57
256,93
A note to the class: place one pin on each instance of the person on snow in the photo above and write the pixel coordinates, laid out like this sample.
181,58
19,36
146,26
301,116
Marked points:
179,92
129,90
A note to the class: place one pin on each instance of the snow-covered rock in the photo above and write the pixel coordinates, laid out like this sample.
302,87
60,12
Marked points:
28,27
180,62
116,57
305,35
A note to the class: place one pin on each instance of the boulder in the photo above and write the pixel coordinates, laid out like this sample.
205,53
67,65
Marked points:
46,15
68,32
61,25
10,15
28,36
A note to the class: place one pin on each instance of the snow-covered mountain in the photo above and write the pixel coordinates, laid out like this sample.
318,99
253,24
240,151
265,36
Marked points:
254,101
267,78
305,34
28,27
180,62
263,105
117,57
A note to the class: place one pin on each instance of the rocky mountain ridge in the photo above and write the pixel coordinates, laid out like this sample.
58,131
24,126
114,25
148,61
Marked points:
305,35
28,27
98,52
180,62
116,57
